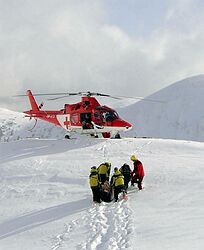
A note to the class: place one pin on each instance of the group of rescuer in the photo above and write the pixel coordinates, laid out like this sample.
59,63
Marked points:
103,187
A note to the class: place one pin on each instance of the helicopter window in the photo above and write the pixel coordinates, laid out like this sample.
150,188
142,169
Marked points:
98,108
74,118
109,116
116,114
96,115
87,102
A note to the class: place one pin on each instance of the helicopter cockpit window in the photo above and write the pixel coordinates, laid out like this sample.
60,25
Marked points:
109,116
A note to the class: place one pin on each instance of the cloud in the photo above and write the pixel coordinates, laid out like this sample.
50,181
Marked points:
69,45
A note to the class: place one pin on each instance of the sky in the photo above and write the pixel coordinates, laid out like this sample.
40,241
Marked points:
118,47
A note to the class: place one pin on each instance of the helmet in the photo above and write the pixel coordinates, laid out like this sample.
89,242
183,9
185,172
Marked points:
108,164
115,169
93,169
133,158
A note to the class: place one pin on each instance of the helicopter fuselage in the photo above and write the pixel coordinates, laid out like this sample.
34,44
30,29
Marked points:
85,117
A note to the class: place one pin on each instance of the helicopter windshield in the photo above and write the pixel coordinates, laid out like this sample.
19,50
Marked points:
109,116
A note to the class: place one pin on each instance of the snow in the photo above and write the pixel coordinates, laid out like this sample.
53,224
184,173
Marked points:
180,116
15,126
45,199
46,202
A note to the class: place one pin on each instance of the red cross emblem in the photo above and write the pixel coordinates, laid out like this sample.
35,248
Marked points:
66,123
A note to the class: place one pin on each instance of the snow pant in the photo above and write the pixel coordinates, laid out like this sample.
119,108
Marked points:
126,181
137,179
102,178
117,190
96,194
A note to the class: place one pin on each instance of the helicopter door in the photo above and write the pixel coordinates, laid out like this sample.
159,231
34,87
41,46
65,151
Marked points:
85,119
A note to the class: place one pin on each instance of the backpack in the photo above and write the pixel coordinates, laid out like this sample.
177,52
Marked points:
103,169
119,180
93,180
125,169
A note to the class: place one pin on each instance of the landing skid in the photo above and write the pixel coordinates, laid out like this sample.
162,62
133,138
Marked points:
67,137
117,136
94,135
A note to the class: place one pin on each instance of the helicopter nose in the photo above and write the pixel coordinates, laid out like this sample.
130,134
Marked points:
122,124
128,126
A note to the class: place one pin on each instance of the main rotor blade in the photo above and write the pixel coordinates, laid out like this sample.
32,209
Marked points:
56,98
105,95
89,94
49,94
142,99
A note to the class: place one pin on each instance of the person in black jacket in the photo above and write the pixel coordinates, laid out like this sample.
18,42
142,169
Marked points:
126,172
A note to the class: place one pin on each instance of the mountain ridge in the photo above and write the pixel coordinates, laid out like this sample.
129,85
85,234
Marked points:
179,117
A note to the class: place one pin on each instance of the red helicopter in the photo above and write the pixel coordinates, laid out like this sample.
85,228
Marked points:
85,117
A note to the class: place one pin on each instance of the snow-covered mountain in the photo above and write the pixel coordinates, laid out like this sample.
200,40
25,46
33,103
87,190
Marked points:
15,126
181,116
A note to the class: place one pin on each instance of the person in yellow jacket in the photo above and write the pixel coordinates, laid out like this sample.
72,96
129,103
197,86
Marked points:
117,183
104,172
95,184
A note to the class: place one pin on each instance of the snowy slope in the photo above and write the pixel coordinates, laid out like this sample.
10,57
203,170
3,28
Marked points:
46,201
15,126
180,117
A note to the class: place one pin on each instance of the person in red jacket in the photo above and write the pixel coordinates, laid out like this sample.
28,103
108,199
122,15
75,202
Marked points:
137,173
